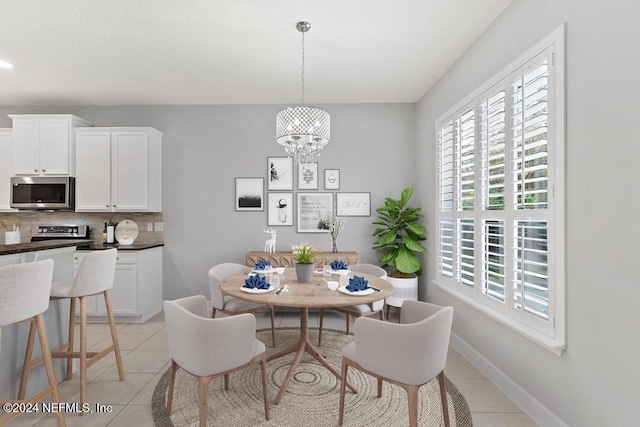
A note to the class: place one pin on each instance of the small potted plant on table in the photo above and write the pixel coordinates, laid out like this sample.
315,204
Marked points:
304,255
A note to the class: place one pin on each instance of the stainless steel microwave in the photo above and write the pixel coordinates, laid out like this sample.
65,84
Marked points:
41,192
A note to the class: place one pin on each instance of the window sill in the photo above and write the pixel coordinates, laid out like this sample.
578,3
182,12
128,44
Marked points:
537,337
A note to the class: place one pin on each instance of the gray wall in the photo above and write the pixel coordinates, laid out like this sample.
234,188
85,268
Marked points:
206,147
595,383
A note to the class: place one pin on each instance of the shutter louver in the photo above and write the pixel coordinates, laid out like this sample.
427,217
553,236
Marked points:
493,142
446,164
466,252
465,155
530,137
446,247
493,268
531,284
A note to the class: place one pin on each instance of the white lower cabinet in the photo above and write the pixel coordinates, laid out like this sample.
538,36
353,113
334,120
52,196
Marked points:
136,294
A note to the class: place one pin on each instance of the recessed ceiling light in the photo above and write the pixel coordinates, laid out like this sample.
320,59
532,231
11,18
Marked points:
5,64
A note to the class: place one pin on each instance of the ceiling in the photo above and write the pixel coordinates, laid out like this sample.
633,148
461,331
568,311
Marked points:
180,52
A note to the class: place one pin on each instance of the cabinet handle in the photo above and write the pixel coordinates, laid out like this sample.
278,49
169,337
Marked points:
35,170
115,206
107,205
44,170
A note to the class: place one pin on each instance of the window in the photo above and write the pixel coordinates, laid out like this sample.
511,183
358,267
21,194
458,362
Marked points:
500,179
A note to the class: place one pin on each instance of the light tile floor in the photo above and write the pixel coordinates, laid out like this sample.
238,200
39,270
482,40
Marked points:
145,355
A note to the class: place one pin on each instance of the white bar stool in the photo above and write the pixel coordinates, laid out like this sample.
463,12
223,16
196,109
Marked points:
24,296
95,276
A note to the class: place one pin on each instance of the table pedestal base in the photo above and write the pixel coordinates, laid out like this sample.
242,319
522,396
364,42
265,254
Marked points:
303,345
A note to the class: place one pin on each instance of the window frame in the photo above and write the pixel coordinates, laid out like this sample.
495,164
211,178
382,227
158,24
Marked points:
552,334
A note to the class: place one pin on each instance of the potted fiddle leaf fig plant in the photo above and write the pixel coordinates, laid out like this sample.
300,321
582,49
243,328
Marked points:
399,233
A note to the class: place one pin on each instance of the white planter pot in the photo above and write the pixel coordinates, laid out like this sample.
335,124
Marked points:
402,289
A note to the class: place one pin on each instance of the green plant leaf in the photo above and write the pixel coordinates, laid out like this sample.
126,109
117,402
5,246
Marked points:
412,245
406,261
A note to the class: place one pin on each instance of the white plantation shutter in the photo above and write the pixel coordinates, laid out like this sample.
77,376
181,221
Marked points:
500,155
465,160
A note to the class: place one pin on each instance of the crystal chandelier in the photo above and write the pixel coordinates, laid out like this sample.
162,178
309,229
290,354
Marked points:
303,130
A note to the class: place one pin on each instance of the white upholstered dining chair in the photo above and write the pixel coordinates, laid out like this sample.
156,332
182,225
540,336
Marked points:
228,304
359,310
414,352
208,348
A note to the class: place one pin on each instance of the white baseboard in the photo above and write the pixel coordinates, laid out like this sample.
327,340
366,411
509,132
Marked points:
539,413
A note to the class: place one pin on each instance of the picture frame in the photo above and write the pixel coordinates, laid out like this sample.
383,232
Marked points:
332,179
249,194
353,204
311,208
279,173
280,209
308,176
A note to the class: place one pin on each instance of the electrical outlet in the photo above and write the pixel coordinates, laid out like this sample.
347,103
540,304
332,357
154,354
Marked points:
159,226
149,226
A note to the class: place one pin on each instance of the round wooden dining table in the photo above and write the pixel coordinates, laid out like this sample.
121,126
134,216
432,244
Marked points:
305,296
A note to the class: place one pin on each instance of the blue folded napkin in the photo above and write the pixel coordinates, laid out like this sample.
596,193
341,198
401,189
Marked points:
255,282
263,264
357,283
339,265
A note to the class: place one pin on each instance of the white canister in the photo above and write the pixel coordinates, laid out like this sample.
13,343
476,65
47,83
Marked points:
11,237
110,234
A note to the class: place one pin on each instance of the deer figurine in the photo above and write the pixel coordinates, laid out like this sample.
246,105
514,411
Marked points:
270,245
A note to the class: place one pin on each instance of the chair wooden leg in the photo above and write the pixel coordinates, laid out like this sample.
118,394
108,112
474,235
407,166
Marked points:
382,315
379,387
443,397
399,311
265,390
343,385
83,349
26,367
226,382
320,329
114,335
203,391
273,327
347,328
70,341
48,365
172,380
213,313
412,395
388,309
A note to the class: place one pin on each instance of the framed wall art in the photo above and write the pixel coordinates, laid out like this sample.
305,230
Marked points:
312,207
332,179
353,204
308,176
249,194
280,173
279,208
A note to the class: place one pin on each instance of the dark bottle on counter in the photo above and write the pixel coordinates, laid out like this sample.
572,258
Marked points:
104,233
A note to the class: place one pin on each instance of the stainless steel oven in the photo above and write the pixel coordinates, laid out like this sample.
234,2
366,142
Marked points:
46,193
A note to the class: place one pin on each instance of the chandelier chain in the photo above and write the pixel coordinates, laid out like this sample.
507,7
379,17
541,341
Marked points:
303,94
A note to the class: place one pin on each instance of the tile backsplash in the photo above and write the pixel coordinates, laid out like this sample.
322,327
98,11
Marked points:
95,221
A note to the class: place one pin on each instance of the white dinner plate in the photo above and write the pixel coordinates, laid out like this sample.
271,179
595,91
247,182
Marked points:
367,291
273,270
256,291
338,271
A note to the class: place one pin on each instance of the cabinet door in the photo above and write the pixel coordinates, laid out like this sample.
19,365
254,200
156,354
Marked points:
124,293
6,170
26,147
130,181
93,171
54,146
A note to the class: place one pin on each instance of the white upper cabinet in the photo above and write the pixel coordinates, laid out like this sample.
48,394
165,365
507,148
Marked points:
118,169
44,144
5,169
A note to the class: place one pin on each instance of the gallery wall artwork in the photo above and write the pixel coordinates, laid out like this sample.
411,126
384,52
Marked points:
249,194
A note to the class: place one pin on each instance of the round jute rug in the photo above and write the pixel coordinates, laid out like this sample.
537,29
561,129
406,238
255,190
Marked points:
312,397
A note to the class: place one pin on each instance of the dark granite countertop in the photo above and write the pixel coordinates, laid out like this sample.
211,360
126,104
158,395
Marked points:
40,246
93,246
83,245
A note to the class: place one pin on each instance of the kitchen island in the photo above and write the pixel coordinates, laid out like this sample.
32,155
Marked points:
14,337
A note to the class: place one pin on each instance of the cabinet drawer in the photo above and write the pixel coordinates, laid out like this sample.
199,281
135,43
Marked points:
123,257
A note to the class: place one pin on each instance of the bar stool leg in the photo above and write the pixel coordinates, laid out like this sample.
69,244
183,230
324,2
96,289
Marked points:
26,366
72,331
83,349
48,364
114,334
